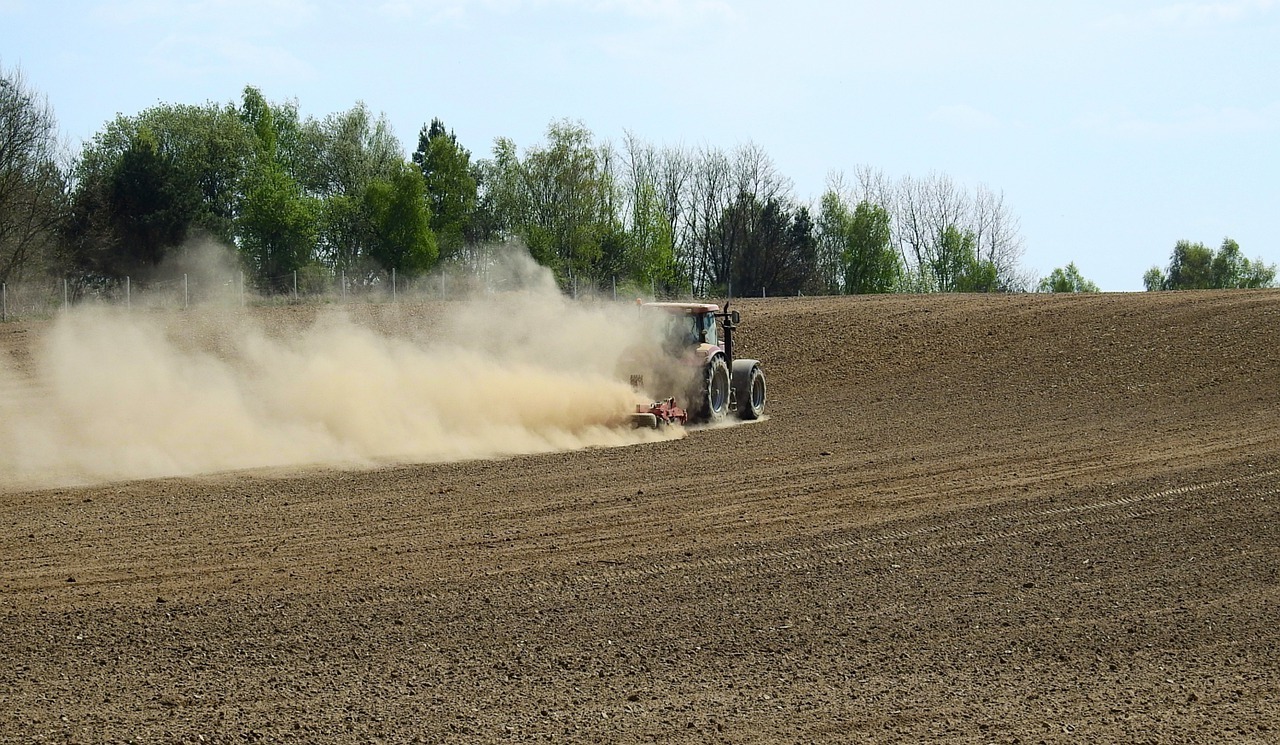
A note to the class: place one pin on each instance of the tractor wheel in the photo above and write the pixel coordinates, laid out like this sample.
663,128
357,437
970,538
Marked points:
749,389
714,403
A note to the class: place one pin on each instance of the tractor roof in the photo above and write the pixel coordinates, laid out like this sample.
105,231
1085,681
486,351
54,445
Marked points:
691,309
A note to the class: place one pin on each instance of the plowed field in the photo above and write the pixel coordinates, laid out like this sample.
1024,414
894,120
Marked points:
965,519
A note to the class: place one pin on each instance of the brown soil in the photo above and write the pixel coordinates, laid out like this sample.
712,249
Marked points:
975,519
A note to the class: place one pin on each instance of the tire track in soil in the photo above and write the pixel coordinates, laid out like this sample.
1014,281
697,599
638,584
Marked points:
760,561
1013,523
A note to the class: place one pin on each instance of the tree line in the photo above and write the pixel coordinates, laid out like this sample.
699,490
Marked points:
318,198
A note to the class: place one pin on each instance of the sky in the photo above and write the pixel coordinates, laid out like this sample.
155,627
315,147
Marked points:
1112,128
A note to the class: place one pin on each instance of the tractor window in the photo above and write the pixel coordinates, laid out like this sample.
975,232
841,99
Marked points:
682,331
708,322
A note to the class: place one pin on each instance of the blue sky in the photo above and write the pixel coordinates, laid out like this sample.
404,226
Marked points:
1113,129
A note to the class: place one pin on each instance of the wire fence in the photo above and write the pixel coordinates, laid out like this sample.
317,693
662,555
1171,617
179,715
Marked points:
43,299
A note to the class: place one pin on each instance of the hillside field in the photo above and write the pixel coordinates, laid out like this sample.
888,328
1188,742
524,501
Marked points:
1004,519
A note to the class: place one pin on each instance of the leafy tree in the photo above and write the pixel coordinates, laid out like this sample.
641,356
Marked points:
649,251
401,220
278,227
859,244
355,148
344,233
977,275
652,259
278,221
556,199
952,265
152,203
1193,266
869,262
146,183
32,185
952,255
1231,270
1067,279
1153,279
451,186
771,249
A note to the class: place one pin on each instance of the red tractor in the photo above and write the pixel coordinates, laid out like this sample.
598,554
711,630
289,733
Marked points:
693,366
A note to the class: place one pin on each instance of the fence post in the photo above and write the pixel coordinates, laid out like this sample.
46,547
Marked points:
344,286
295,285
393,284
4,302
186,293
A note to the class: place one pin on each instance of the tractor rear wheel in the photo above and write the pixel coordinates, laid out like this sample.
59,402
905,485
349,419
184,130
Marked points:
749,389
714,402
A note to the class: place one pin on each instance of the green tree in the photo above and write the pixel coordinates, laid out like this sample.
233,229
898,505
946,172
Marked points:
278,226
401,220
953,254
770,248
1193,266
153,204
355,149
345,233
1153,279
146,183
1231,270
869,262
860,243
451,186
278,221
652,258
1067,279
556,199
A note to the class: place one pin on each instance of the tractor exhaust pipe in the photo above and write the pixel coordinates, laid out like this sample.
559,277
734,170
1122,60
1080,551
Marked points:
729,320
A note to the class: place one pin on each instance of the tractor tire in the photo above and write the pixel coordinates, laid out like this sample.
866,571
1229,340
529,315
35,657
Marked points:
713,402
749,389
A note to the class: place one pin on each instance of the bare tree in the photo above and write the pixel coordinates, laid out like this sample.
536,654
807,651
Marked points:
675,171
756,175
710,194
32,185
943,231
998,240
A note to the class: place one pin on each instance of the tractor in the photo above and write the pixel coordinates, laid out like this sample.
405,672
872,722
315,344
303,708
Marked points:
692,364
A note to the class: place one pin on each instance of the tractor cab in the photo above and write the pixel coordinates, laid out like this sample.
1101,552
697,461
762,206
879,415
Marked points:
686,325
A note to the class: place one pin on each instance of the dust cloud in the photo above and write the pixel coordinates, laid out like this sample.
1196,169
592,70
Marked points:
112,394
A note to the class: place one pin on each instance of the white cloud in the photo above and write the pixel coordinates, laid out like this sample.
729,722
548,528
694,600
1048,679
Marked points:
211,55
234,14
680,11
663,11
1198,122
1194,15
964,116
